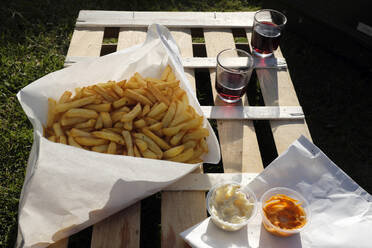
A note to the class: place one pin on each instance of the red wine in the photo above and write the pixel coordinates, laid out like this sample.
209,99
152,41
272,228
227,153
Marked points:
230,86
265,37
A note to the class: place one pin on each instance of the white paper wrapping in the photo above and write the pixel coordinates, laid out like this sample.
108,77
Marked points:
67,189
341,209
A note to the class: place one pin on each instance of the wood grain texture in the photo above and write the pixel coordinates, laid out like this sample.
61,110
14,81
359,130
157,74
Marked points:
237,137
131,36
188,62
184,42
86,42
253,113
63,243
278,90
181,210
204,182
92,18
119,230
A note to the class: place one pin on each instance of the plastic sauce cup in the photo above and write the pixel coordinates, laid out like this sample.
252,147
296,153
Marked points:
228,226
273,229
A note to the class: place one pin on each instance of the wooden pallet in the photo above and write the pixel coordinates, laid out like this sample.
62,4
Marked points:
183,204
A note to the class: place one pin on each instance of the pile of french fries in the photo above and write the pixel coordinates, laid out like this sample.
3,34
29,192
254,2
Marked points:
141,117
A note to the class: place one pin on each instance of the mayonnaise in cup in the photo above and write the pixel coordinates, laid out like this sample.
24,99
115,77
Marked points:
231,205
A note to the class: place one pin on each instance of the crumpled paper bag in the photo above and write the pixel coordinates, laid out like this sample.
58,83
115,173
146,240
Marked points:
67,189
341,209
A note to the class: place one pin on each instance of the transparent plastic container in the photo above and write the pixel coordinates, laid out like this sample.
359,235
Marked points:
228,226
273,229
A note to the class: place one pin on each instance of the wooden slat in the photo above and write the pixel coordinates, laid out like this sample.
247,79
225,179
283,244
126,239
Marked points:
203,182
198,62
238,155
90,18
121,229
181,210
201,62
183,37
253,113
63,243
131,36
86,42
278,90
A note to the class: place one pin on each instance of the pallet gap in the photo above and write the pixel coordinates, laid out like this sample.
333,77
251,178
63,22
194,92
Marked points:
239,35
150,231
244,47
110,41
197,33
241,39
263,130
81,239
198,42
111,32
107,49
199,50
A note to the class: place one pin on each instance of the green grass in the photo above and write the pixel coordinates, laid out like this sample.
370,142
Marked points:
110,41
240,40
198,40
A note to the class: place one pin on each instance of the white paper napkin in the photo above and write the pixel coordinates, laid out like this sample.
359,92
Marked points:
68,189
341,209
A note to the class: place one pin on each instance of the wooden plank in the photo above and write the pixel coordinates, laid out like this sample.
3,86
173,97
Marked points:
94,18
131,36
121,229
278,90
239,147
182,37
199,62
63,243
203,182
181,210
253,113
86,42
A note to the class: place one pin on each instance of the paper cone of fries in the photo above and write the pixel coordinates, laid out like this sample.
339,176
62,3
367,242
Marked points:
67,189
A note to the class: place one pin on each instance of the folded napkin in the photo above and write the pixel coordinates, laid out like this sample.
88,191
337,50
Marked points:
341,209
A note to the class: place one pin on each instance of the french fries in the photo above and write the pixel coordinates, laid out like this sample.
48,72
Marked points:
104,107
141,117
51,112
132,114
63,107
109,136
81,112
173,151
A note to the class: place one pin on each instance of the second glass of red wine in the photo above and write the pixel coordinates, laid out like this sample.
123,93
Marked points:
268,26
233,72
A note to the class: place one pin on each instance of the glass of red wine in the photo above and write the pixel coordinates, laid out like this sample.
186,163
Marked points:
233,72
268,26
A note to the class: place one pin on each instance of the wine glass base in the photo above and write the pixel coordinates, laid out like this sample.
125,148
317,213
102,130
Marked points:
261,55
228,100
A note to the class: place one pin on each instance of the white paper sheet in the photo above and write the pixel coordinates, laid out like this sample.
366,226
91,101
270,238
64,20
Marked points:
67,189
341,209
